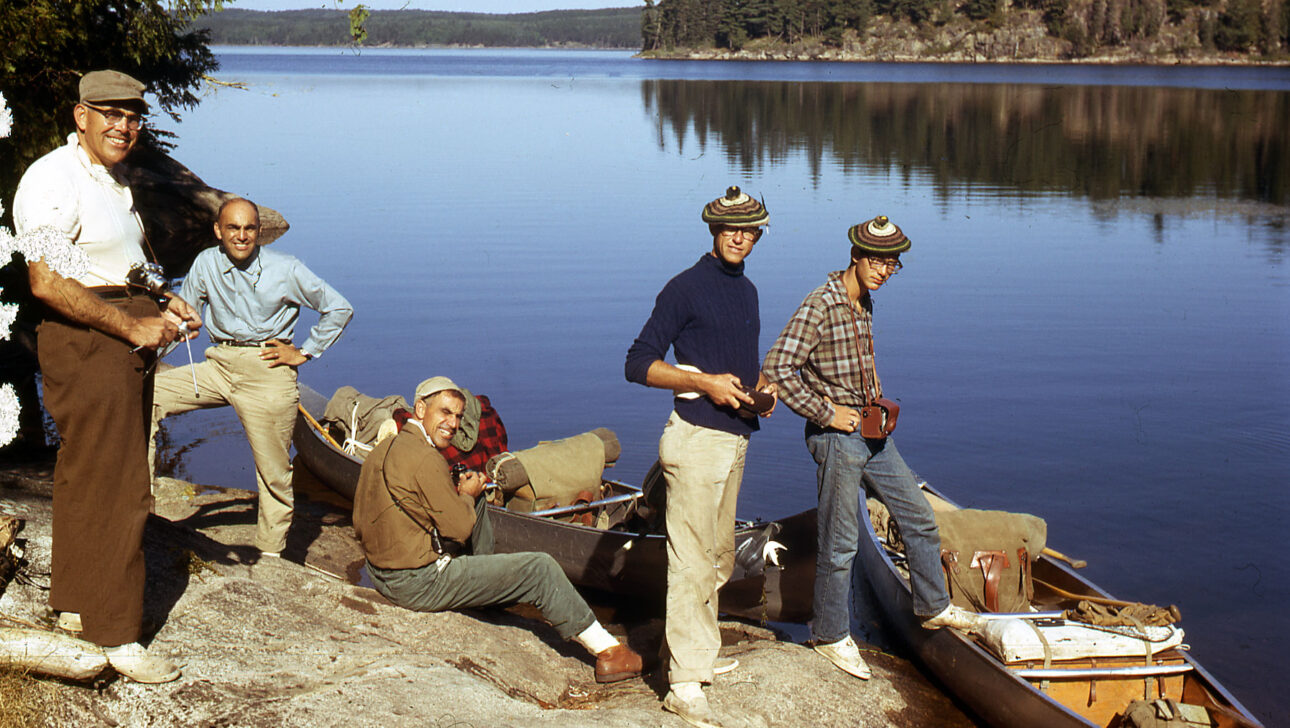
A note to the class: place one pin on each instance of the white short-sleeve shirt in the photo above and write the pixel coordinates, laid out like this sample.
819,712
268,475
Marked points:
65,191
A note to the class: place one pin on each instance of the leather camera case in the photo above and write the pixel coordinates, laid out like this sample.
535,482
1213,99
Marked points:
878,420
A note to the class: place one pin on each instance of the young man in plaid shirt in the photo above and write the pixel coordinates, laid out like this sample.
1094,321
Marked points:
824,365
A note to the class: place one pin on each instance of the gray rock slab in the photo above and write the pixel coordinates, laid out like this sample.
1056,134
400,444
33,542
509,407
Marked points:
292,642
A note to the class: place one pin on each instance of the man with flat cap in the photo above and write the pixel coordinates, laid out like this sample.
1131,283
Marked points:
823,362
97,347
429,541
709,315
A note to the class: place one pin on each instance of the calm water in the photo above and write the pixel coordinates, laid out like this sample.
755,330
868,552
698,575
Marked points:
1091,326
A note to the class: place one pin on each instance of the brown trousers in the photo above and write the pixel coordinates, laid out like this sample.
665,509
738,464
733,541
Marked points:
100,396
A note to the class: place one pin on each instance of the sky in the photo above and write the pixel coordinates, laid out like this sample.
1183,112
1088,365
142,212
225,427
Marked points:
473,6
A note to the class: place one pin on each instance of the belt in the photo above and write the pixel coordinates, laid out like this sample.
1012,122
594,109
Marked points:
247,344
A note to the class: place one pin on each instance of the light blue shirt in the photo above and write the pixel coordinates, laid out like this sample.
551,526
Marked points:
263,301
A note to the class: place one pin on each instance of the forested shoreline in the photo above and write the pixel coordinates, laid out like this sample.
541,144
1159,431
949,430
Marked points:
607,28
1129,31
997,30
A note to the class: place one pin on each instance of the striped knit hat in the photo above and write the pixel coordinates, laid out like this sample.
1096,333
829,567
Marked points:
878,236
736,209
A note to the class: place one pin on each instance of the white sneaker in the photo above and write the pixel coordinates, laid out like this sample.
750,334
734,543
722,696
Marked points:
687,700
723,665
956,617
846,656
69,621
135,663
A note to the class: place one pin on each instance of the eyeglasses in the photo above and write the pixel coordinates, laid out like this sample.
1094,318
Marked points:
747,233
113,117
891,265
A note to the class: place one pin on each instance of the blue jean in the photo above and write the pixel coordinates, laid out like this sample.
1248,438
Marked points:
843,460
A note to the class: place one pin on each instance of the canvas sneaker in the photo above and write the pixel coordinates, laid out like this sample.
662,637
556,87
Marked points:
135,663
956,617
846,656
69,621
687,700
723,665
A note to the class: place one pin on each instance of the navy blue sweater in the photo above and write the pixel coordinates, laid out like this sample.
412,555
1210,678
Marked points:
708,313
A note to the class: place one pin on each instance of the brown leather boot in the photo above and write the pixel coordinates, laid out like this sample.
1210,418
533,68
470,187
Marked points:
619,662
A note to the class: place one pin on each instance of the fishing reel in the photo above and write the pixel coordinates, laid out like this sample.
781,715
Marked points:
151,277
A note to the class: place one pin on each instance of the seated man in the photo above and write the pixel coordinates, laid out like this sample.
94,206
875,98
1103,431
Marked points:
480,436
429,541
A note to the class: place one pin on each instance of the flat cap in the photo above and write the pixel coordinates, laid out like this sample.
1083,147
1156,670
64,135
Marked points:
435,385
100,86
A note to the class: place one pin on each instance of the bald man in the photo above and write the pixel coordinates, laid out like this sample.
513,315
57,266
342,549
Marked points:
253,297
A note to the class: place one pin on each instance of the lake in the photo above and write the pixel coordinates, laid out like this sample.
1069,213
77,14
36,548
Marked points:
1091,325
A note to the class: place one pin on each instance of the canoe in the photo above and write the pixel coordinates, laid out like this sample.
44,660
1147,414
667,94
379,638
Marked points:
627,559
1026,694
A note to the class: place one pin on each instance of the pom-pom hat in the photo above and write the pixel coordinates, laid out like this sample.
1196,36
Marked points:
878,237
735,209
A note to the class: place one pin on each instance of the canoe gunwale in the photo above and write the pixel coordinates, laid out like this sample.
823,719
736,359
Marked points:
622,562
998,694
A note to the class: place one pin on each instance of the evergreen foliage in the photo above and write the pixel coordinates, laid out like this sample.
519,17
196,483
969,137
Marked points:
1230,25
48,44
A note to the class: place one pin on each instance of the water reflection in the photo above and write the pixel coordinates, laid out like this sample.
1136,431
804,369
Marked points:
1094,142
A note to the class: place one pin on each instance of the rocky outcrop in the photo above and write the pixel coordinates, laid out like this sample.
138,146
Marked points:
291,642
178,209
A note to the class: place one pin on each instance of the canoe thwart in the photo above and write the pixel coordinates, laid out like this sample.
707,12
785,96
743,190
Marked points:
1093,673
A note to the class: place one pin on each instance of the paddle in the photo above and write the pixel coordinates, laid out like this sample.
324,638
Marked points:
1075,563
321,430
1084,597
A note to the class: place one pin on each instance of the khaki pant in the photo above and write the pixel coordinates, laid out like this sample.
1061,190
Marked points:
265,400
703,469
99,394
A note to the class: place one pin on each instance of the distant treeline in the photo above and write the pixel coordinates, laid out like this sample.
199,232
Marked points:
1246,26
608,28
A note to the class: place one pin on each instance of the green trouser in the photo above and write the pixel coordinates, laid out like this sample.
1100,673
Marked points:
485,579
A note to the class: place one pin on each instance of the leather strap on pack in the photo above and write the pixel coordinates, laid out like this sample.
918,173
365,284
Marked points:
992,564
950,564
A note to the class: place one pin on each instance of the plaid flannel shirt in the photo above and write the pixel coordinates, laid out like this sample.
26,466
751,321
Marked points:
492,438
825,350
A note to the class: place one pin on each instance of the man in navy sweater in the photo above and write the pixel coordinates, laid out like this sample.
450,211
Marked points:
708,313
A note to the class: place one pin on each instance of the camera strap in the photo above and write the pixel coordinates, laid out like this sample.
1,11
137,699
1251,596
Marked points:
436,542
868,373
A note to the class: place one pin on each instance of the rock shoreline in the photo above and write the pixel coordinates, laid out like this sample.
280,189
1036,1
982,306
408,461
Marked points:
291,642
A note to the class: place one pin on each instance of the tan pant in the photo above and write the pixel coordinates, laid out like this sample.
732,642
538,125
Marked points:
265,400
703,469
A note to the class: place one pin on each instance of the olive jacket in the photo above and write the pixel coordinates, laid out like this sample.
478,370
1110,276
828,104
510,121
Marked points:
396,535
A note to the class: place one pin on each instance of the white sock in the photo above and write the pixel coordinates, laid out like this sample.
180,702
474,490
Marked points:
596,639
